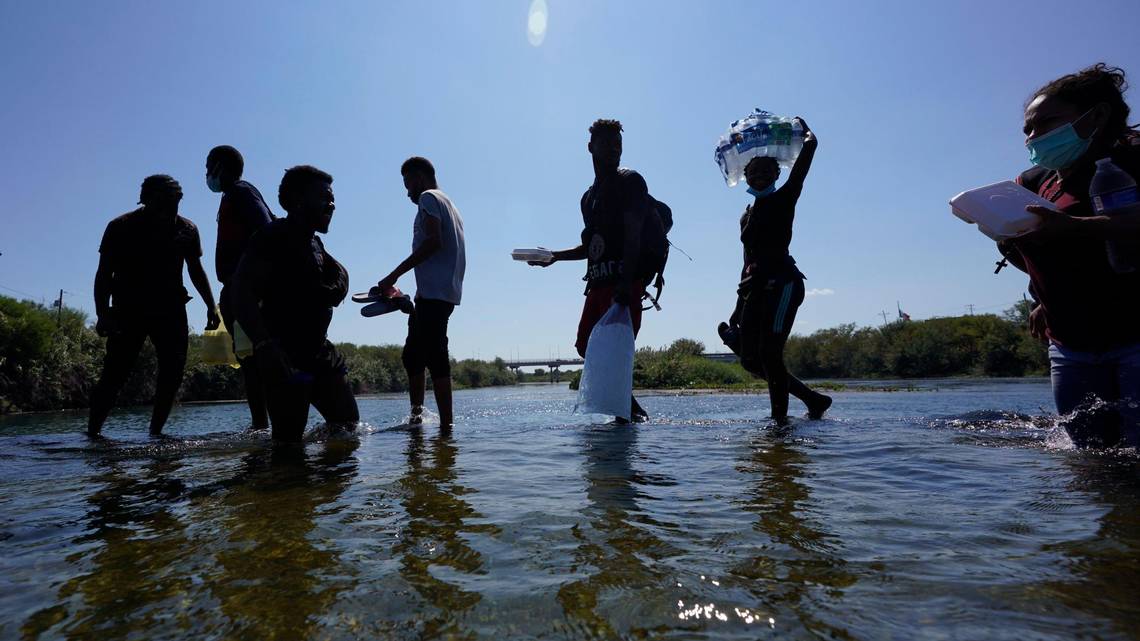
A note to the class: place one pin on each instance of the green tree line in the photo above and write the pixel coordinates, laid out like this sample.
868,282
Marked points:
983,345
50,359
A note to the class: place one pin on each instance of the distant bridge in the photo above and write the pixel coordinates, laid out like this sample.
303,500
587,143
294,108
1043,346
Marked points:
552,364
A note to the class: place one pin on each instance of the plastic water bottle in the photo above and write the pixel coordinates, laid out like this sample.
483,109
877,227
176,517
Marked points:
759,134
1113,191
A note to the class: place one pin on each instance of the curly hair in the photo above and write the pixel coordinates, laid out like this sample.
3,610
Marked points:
159,187
295,179
605,126
1088,88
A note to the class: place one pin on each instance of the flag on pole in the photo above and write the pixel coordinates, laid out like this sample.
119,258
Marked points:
903,316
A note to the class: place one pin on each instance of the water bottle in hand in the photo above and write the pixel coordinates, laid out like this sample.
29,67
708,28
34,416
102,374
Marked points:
1113,192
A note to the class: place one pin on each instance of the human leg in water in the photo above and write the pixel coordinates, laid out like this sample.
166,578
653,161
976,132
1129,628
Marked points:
332,396
288,406
766,323
254,391
636,412
254,395
417,381
442,388
123,347
170,337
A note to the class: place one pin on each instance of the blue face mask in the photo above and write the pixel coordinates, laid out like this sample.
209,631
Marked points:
760,194
1059,148
214,183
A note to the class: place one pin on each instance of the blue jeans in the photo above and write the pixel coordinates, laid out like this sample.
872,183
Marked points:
1112,376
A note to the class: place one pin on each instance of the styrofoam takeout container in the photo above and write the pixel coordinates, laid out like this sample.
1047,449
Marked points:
999,209
538,255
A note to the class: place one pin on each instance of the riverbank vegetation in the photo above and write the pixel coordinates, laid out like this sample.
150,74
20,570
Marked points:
983,345
50,359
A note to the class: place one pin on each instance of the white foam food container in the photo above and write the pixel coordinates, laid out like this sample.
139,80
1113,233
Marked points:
537,255
999,209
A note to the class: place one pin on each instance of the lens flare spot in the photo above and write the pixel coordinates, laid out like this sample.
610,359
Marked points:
536,22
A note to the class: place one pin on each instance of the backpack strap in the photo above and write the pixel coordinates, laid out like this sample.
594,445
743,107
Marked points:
1033,179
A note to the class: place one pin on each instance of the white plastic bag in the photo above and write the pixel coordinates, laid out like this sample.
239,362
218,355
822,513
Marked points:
607,377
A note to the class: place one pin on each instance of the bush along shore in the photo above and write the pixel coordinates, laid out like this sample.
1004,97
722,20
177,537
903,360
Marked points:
50,359
983,345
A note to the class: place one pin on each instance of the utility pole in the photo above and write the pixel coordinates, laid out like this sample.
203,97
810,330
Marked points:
59,310
970,307
884,315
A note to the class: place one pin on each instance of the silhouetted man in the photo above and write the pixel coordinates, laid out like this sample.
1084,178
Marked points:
241,213
614,209
285,288
139,294
439,259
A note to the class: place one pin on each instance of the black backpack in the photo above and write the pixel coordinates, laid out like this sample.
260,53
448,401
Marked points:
655,247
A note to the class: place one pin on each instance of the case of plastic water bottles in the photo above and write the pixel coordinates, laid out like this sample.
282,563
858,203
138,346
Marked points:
759,134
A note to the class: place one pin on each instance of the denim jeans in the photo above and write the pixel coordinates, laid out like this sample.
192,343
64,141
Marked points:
1112,376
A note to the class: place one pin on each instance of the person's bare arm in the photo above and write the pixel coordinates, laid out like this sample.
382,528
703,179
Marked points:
632,220
803,162
631,254
1124,226
249,279
574,253
104,324
429,246
202,284
251,274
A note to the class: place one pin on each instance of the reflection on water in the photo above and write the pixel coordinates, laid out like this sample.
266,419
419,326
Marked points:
271,574
134,537
618,552
949,513
432,539
1109,557
801,562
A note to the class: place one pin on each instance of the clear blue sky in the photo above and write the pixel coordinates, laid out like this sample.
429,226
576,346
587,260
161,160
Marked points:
912,102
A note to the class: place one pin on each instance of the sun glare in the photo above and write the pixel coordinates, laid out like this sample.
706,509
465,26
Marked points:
536,22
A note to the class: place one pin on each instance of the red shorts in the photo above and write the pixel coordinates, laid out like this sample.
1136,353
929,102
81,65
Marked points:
598,302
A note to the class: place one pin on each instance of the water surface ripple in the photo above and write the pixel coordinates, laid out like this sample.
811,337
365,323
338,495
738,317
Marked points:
954,511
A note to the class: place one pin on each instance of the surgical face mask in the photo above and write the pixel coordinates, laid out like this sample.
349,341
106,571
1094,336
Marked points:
1059,148
214,182
760,194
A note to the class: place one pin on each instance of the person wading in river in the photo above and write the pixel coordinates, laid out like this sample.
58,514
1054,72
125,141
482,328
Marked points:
241,213
771,288
285,289
614,211
1084,307
439,259
139,295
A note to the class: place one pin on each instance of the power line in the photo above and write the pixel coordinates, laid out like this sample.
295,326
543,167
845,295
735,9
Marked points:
16,291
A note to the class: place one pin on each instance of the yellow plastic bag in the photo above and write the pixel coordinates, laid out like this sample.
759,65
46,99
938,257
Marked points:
243,347
218,347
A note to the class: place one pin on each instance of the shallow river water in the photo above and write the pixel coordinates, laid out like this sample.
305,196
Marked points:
954,511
